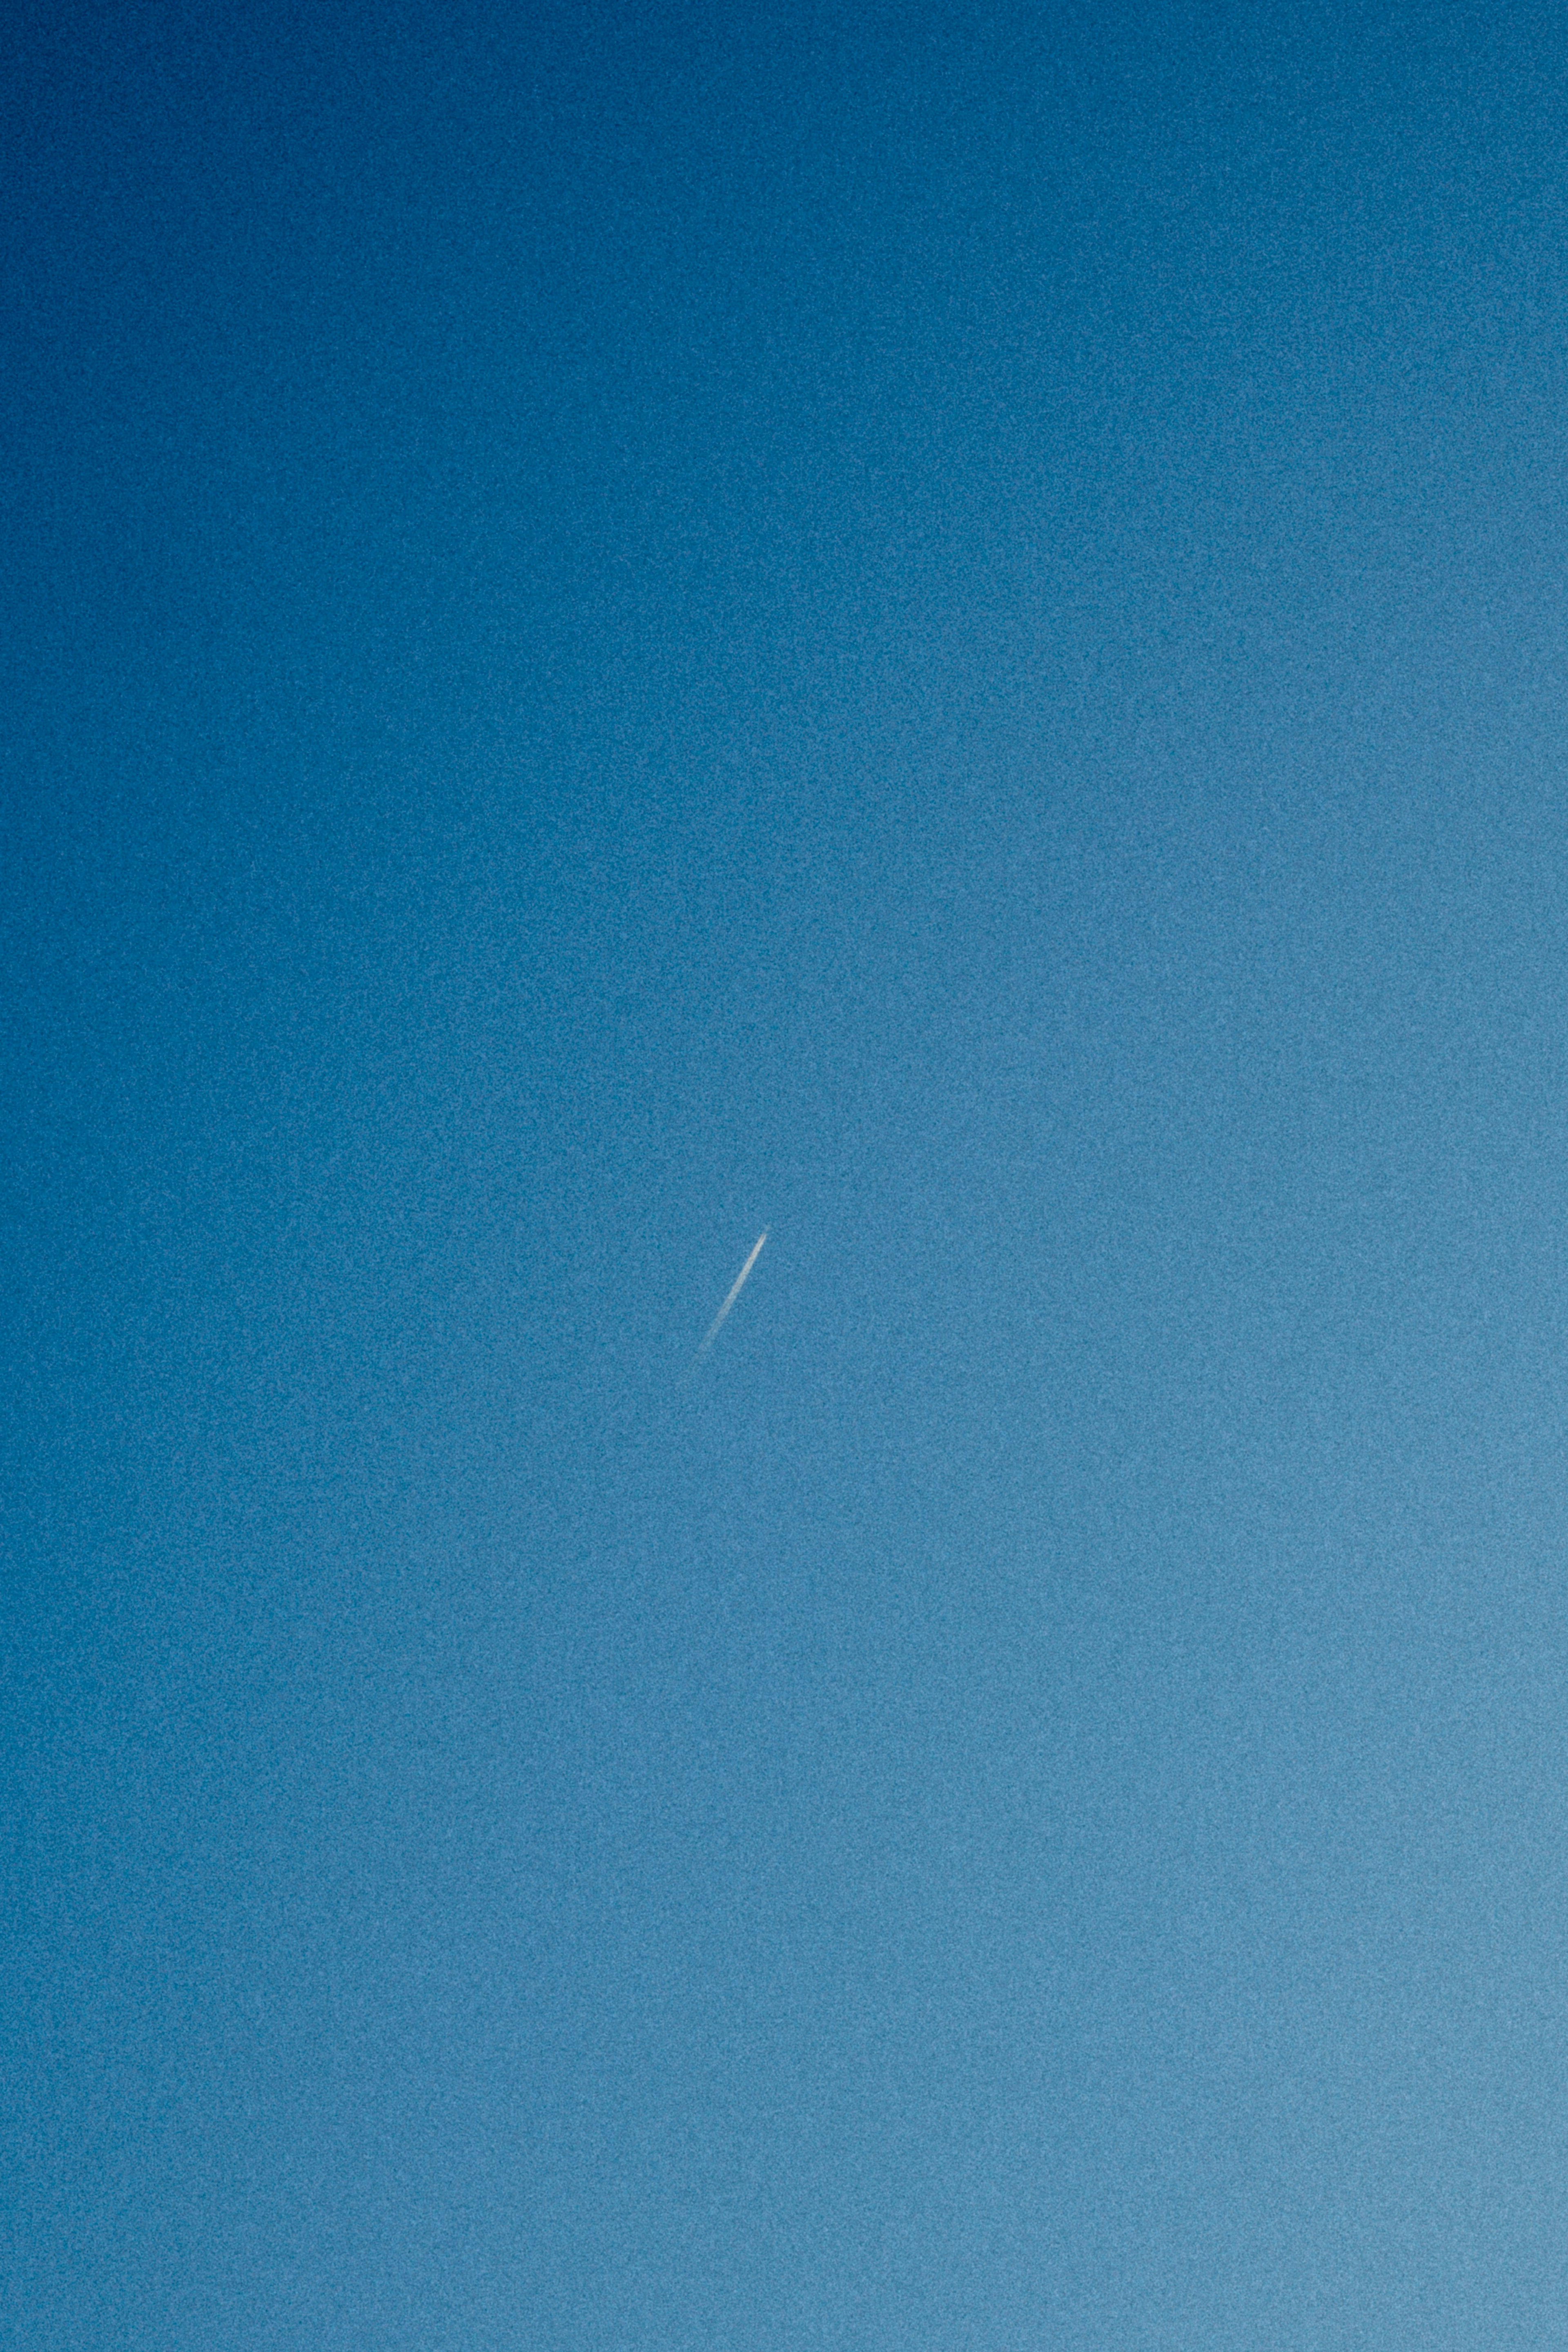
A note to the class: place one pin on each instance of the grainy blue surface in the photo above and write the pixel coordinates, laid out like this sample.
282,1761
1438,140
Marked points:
943,631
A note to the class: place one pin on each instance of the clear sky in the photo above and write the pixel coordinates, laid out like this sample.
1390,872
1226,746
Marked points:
941,630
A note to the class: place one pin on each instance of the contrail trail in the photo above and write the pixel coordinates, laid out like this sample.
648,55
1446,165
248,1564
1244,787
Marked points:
734,1294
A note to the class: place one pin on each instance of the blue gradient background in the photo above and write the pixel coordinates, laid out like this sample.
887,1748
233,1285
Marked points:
943,631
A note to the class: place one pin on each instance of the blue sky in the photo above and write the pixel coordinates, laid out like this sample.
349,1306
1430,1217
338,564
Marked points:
938,631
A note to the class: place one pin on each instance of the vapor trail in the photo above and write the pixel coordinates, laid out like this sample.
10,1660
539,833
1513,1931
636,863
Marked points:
734,1294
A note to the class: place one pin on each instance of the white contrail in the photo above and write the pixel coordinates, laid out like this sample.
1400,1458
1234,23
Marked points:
734,1294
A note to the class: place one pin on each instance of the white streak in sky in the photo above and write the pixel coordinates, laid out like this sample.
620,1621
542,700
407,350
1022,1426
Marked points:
734,1294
